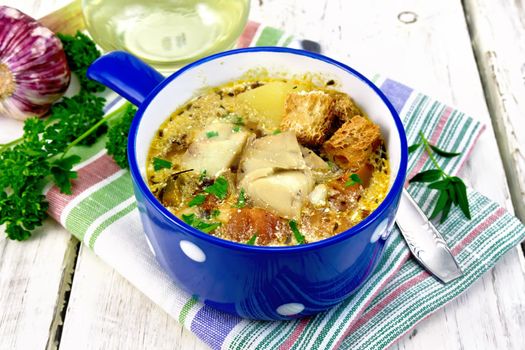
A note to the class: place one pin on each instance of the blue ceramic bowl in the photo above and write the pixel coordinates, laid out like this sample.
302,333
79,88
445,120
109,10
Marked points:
269,283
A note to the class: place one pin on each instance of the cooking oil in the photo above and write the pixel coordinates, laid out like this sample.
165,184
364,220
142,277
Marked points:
166,33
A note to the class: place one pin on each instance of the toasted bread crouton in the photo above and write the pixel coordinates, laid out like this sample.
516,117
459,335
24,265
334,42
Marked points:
353,143
344,107
309,115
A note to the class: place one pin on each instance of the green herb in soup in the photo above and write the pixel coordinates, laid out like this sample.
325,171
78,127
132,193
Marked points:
269,162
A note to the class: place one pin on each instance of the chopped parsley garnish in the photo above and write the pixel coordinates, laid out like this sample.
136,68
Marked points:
236,128
159,163
219,188
202,175
215,213
241,200
211,134
251,241
298,235
188,218
197,200
353,180
194,221
276,131
237,120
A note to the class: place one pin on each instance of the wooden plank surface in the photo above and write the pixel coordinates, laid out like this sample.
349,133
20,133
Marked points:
498,33
106,312
34,277
433,54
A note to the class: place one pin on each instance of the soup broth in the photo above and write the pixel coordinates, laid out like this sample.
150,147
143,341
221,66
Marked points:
271,162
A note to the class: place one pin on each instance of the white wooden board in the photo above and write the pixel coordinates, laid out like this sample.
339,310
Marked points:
34,276
498,33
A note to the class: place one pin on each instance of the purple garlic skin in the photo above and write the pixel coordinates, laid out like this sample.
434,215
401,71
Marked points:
33,67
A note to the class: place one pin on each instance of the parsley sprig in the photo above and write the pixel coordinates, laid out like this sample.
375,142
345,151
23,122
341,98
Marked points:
452,189
80,52
43,154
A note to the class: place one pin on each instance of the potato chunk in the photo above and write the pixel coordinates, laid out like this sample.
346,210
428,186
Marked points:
215,149
268,101
309,115
353,143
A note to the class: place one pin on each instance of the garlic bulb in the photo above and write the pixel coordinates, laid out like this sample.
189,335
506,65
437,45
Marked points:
33,66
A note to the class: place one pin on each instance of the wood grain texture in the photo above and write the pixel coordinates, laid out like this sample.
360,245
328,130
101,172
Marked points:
498,32
106,312
34,277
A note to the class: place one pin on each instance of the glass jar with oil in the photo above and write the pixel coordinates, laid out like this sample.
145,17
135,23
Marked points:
166,33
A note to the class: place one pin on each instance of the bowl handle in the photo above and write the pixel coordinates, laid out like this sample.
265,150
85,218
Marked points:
125,74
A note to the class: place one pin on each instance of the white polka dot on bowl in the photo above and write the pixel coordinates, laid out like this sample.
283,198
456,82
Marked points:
192,251
290,309
380,229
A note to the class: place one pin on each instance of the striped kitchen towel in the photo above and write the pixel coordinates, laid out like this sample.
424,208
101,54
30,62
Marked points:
102,213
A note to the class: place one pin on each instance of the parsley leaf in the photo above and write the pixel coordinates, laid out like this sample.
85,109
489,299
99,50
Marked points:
194,221
236,128
241,200
219,188
159,163
297,234
202,175
81,51
353,180
117,143
252,240
215,213
62,174
235,119
276,132
188,218
197,200
211,134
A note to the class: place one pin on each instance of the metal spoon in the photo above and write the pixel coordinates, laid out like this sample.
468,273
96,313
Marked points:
425,242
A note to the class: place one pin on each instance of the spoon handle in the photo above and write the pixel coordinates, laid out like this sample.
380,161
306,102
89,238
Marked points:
425,242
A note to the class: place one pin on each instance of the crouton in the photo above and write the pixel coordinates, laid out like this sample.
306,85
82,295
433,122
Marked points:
309,115
353,143
246,222
344,107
